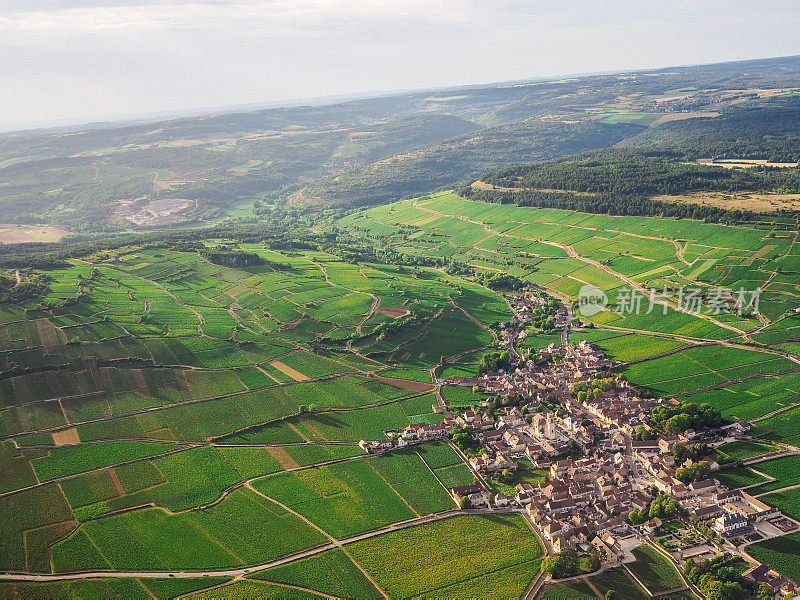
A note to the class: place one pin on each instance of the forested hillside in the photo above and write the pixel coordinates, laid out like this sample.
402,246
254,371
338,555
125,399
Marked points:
261,378
203,170
743,161
770,132
442,164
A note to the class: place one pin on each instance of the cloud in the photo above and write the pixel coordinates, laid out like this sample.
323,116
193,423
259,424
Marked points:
89,59
90,16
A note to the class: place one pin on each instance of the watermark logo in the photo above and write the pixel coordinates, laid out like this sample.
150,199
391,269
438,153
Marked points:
706,301
591,300
703,301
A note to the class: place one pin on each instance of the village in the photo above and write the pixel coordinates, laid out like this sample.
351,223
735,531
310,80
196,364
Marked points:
612,478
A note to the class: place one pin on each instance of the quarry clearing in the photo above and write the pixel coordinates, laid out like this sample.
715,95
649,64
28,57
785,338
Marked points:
150,213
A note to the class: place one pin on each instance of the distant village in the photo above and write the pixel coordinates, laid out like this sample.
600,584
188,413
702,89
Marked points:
604,475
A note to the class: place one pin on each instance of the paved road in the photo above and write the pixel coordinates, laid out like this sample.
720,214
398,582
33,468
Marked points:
239,572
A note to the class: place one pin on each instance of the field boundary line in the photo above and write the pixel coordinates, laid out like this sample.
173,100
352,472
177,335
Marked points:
337,543
635,580
391,487
432,471
63,477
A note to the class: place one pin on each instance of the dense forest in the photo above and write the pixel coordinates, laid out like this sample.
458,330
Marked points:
661,161
631,172
230,257
770,132
604,204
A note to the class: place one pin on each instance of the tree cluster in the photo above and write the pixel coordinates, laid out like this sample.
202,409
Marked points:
642,433
677,419
569,563
465,439
563,564
592,390
31,286
494,361
544,316
662,506
719,581
500,281
697,472
228,257
681,451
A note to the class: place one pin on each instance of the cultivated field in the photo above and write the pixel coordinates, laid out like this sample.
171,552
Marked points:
168,397
17,234
418,561
780,554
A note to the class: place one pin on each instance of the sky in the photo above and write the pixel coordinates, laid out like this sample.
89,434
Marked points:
77,61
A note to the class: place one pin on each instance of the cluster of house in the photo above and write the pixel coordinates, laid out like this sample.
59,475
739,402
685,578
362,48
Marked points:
512,434
586,501
414,433
568,365
583,500
622,411
524,305
779,585
527,302
731,512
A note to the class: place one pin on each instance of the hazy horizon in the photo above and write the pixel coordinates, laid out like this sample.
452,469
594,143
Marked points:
107,60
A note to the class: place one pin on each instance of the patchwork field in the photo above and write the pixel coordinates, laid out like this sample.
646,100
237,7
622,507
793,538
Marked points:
619,580
785,471
151,394
218,537
746,449
742,383
331,572
417,561
788,501
347,498
134,589
740,477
